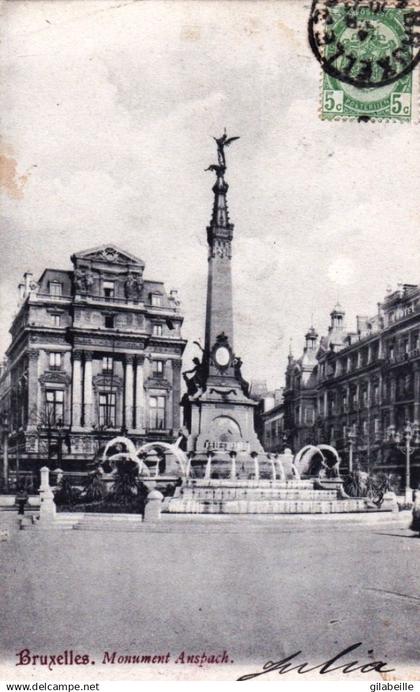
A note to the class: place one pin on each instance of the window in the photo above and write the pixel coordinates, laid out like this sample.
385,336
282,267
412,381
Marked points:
109,321
55,361
365,397
54,406
157,330
109,289
156,300
376,426
56,288
158,368
309,416
107,364
56,320
157,412
107,409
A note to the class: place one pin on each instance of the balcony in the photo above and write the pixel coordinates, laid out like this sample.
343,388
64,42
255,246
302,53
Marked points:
50,297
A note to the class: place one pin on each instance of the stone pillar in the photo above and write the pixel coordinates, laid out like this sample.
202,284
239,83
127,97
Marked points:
233,467
88,391
33,387
169,403
139,405
417,392
392,402
207,473
6,458
153,507
47,508
176,394
77,389
128,390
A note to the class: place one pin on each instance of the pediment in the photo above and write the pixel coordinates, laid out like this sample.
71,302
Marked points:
107,254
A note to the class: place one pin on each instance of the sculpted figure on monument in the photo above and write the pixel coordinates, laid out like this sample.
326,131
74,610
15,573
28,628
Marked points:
196,383
133,286
83,280
237,365
221,142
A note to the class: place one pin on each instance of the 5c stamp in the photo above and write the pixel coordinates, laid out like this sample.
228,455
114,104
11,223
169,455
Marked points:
368,51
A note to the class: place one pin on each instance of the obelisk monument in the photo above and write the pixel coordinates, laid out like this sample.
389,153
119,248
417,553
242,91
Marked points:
218,412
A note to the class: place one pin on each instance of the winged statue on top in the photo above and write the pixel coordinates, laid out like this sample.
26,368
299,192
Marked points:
221,142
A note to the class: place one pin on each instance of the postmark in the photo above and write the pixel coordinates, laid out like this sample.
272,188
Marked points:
368,51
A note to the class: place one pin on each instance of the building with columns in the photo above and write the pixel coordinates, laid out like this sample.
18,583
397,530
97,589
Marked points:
349,387
96,351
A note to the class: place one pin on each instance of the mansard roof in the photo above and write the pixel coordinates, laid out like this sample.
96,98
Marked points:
108,253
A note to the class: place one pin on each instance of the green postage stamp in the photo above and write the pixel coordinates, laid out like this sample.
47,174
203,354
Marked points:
368,52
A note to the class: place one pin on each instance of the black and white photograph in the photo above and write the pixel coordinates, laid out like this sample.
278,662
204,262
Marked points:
209,342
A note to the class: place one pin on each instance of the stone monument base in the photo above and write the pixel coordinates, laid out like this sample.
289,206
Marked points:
240,496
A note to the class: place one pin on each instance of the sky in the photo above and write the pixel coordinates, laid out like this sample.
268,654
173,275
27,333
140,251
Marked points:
107,118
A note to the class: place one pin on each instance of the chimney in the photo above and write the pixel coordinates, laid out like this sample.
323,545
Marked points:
21,289
362,324
27,278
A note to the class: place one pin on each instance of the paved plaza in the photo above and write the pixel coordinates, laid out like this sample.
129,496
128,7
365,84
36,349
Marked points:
260,588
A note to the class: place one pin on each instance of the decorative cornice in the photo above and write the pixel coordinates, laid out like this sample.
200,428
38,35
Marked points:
55,376
103,380
155,383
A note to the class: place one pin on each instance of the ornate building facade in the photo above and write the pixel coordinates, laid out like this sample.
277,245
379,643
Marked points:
351,388
95,351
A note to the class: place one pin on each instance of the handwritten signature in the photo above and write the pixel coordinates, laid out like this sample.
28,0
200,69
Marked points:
284,665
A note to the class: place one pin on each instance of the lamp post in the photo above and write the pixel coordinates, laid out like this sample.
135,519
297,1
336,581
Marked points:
406,441
351,438
59,426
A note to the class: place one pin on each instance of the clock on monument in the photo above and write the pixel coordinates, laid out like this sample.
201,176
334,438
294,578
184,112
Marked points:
222,356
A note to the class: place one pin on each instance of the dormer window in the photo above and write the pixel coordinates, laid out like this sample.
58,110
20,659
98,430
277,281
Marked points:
156,300
108,289
56,288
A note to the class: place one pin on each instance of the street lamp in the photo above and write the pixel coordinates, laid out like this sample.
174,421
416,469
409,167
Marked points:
351,439
59,426
406,441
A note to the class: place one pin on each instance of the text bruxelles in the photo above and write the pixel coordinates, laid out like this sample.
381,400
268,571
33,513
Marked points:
72,658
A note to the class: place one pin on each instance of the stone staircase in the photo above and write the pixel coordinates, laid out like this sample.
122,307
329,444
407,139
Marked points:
225,496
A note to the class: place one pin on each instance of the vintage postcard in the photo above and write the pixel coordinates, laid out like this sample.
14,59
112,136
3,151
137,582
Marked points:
210,342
